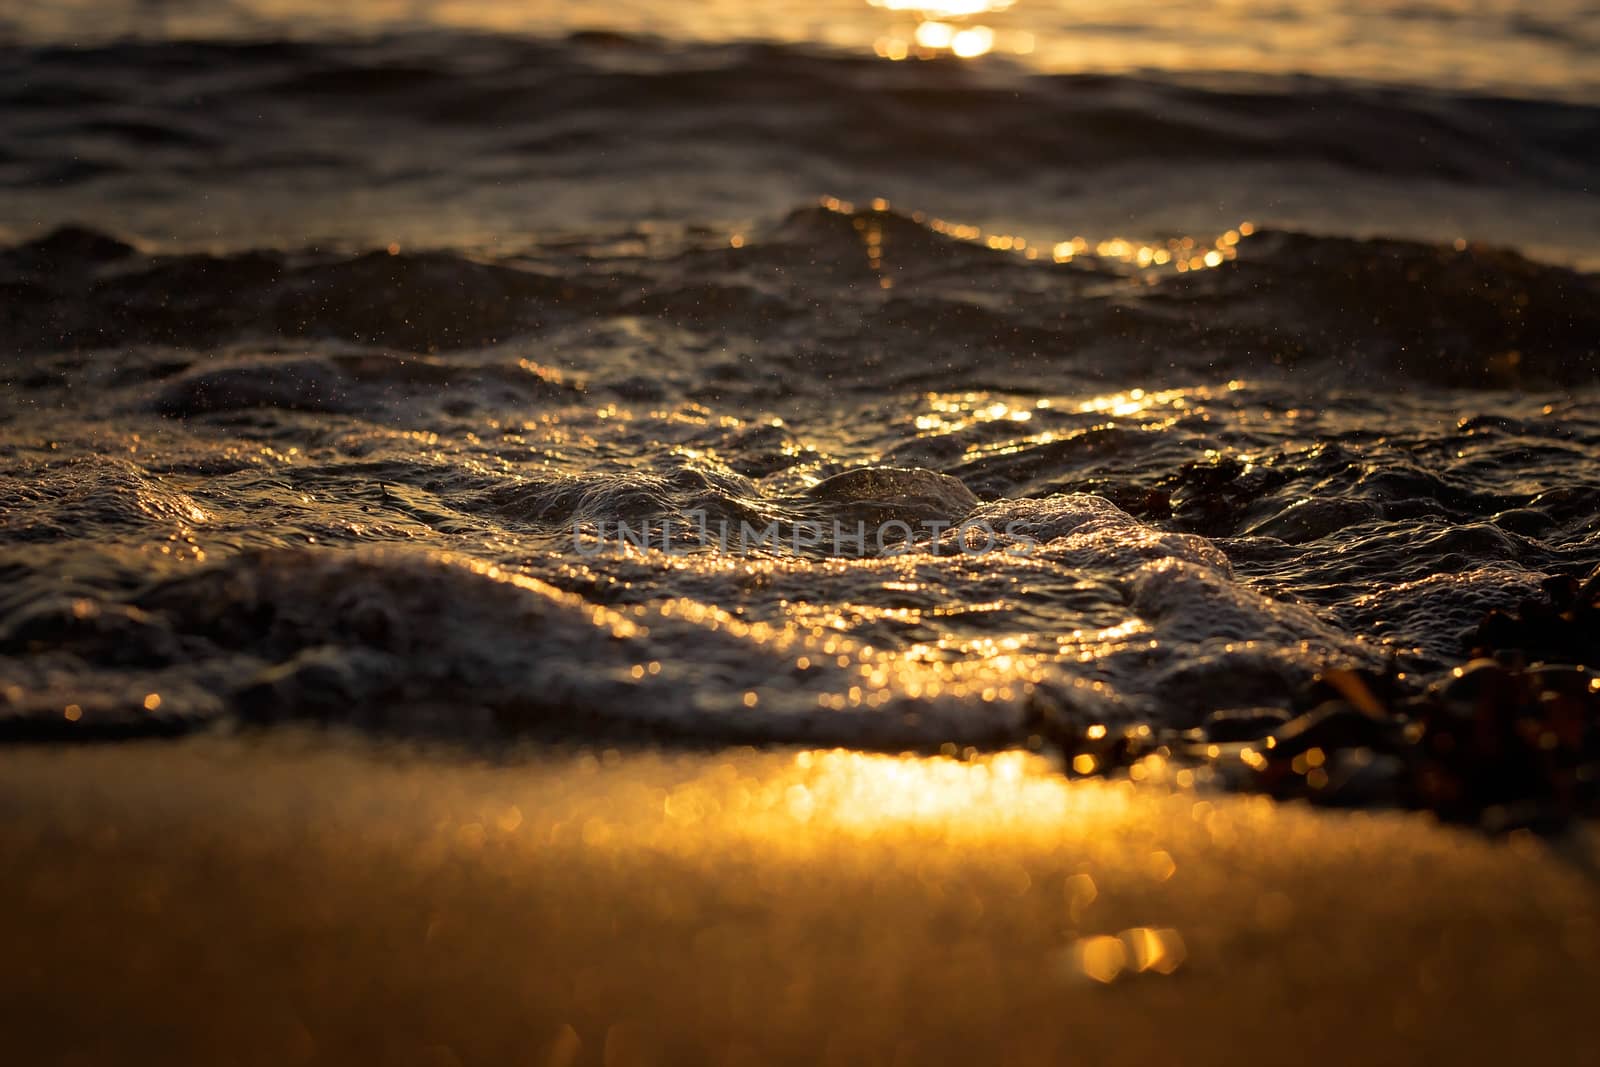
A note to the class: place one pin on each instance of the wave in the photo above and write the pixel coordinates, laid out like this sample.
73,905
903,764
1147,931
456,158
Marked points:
426,643
339,481
77,112
800,292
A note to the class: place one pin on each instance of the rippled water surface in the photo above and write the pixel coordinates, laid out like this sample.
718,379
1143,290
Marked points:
319,353
1546,46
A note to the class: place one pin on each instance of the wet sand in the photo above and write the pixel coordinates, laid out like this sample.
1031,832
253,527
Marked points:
287,900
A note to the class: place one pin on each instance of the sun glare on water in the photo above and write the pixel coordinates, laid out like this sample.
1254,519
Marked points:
944,9
943,29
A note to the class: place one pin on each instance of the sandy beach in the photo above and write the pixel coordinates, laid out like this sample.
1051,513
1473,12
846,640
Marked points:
294,901
493,495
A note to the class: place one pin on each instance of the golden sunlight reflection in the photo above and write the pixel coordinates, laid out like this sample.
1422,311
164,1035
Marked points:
934,34
1008,796
953,413
875,791
943,29
1015,795
1180,254
1011,792
944,9
1140,950
931,40
974,41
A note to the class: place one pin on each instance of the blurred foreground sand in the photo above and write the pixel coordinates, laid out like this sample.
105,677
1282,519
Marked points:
294,901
